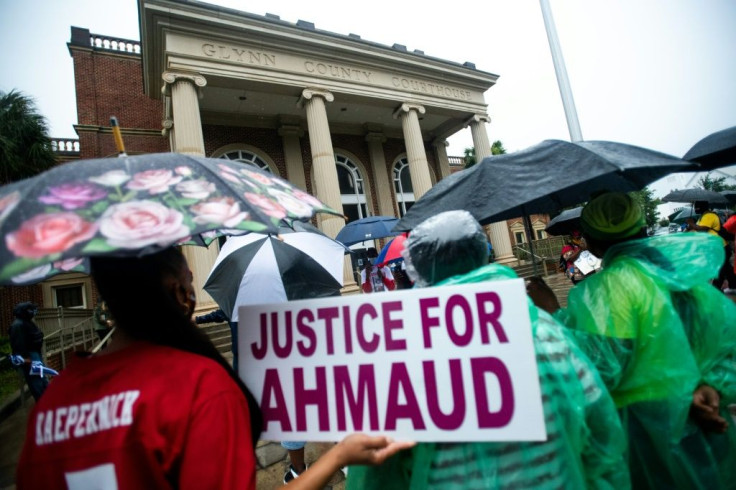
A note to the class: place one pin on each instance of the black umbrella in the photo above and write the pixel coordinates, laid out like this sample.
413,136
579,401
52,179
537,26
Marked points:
544,178
370,228
715,150
696,194
565,223
730,195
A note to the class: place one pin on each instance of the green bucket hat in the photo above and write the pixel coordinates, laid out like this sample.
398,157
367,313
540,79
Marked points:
612,216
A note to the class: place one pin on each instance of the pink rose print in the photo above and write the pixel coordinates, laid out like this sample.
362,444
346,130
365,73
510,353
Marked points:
308,198
68,264
266,205
153,181
227,169
113,178
34,275
8,204
137,224
195,189
183,171
224,211
293,205
47,234
263,179
231,177
73,195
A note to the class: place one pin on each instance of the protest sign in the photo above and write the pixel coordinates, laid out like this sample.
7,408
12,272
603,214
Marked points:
451,363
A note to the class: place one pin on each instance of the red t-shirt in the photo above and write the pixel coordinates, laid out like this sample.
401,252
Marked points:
144,417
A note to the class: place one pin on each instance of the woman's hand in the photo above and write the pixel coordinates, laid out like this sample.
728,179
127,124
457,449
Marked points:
541,294
704,410
365,449
354,449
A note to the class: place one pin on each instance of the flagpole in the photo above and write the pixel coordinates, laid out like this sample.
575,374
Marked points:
568,103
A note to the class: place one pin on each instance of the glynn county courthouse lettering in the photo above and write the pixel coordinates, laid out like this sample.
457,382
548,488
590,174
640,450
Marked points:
343,72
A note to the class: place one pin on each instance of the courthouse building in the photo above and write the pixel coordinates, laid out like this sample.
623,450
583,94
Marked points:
362,126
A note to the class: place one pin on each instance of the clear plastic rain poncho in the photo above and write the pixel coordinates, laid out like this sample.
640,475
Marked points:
585,444
656,330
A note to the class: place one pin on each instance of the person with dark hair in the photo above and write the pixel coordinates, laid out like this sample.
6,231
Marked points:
664,342
572,249
26,342
585,443
103,320
375,278
159,407
710,223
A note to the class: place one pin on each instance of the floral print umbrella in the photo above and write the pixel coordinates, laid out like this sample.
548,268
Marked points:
136,205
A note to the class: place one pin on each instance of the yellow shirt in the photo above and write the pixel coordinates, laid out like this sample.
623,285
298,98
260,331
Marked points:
711,220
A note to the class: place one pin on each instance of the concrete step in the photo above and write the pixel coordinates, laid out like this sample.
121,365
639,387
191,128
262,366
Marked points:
219,334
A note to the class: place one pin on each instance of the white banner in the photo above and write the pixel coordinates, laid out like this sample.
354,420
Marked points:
450,363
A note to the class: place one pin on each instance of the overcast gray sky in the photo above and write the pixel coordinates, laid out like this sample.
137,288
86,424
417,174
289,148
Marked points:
653,73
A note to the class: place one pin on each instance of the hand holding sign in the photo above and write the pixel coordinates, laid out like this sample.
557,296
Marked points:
354,449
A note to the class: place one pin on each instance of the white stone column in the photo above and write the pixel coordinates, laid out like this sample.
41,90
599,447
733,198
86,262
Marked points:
382,177
440,148
325,183
186,137
290,135
418,166
185,92
499,232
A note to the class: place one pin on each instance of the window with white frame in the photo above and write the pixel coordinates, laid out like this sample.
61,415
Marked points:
69,295
352,190
519,235
402,186
245,156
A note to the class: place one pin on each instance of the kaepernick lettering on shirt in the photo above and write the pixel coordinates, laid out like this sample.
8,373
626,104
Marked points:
84,419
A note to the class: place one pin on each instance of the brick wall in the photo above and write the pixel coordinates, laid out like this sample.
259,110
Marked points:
111,84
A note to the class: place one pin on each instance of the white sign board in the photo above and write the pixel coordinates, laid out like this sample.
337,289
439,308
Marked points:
449,363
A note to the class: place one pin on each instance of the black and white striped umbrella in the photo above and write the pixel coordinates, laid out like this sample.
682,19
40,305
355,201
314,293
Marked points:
258,269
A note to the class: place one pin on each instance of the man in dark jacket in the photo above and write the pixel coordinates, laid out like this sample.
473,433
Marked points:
26,341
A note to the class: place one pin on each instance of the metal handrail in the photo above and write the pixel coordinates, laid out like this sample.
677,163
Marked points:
541,258
104,340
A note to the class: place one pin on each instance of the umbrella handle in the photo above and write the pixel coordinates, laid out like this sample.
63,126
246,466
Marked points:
118,136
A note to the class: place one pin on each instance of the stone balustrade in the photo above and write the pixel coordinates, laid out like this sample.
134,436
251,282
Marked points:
114,44
65,145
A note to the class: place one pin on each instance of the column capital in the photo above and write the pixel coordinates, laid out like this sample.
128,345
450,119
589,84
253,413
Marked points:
407,107
375,137
290,130
310,92
171,77
167,125
440,143
477,118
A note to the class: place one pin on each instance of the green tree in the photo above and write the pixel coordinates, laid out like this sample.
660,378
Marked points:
469,157
497,148
470,160
716,184
648,204
25,147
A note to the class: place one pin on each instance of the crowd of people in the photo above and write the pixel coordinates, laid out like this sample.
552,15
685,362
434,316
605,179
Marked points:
636,376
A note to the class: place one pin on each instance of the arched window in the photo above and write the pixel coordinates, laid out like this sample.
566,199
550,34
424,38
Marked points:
248,157
352,190
402,186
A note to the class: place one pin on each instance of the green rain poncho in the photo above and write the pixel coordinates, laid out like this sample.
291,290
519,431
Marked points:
585,443
656,330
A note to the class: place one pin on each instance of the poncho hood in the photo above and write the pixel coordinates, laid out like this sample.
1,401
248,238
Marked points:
680,261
